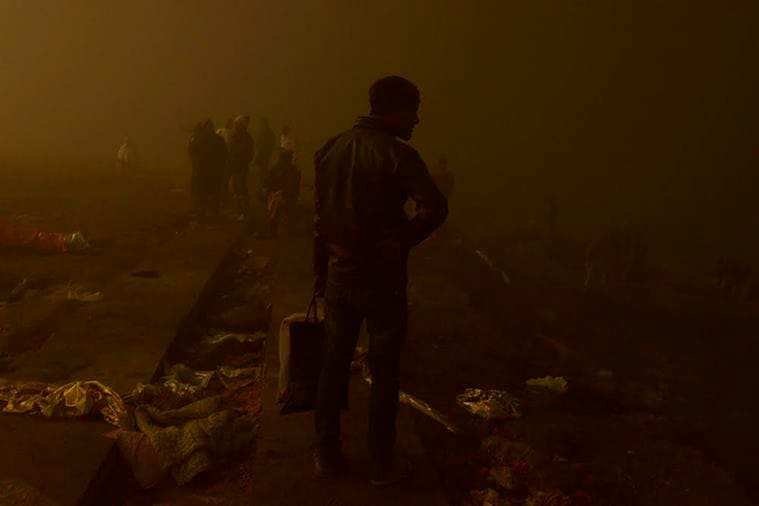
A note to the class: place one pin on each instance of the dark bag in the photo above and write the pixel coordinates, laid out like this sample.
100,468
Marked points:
303,360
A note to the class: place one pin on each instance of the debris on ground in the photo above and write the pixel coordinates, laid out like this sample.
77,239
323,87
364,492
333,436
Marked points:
237,378
193,438
187,382
504,477
488,497
18,291
506,452
140,456
15,491
254,315
360,363
75,399
490,404
554,383
504,277
229,348
550,498
79,294
160,396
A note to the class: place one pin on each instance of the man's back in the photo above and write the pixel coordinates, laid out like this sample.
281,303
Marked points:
363,178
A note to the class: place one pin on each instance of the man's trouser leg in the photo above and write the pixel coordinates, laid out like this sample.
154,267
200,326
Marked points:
386,317
241,191
342,325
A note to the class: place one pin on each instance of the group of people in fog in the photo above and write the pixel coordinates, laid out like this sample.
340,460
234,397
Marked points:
221,160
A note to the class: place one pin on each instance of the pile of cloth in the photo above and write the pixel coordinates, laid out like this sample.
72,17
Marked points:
75,399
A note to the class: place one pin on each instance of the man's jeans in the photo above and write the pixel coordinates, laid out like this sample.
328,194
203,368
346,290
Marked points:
385,311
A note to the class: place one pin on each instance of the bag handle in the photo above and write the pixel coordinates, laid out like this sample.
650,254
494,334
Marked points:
312,305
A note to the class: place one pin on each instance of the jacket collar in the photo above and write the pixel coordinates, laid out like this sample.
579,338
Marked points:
374,123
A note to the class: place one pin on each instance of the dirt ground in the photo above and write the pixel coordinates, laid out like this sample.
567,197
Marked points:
659,408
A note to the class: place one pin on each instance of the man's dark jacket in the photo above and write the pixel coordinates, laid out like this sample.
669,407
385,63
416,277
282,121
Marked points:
241,150
364,177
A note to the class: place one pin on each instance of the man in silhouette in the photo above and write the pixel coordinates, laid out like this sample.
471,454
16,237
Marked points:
208,155
241,151
265,146
364,177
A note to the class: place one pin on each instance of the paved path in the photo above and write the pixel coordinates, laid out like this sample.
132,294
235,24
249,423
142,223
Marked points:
118,340
284,468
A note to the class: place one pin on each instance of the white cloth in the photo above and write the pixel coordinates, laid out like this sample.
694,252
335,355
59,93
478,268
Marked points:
125,154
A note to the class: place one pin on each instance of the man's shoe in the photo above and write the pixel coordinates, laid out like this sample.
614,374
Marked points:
329,464
398,471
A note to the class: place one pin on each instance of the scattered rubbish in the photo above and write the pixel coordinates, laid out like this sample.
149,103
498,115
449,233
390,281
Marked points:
185,381
504,277
249,399
229,348
487,497
231,337
490,404
554,383
504,477
251,316
75,242
75,399
15,491
160,396
14,236
81,295
235,379
550,498
18,291
503,451
146,274
403,397
141,457
191,439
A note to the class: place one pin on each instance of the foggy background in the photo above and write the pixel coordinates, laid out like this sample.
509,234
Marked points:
625,111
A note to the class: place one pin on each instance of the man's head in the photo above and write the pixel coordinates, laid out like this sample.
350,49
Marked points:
241,123
396,101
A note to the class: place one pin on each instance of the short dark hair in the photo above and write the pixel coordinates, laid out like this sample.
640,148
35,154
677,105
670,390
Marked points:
392,94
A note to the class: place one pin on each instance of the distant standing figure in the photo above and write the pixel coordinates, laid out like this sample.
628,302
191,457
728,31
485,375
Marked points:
126,156
208,155
282,190
286,140
241,151
225,134
266,143
226,130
